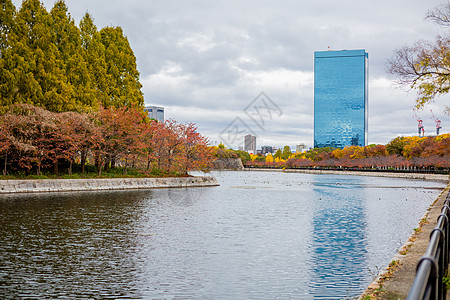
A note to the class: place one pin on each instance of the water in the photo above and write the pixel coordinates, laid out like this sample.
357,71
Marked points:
260,235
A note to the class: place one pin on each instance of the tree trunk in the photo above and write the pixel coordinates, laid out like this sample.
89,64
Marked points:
70,168
97,160
6,162
125,169
83,161
39,167
107,163
55,167
100,166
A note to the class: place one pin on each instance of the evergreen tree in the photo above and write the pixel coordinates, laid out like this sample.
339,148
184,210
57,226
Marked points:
47,61
122,77
7,15
70,58
31,59
94,56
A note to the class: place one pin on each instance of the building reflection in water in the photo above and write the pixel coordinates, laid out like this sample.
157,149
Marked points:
338,241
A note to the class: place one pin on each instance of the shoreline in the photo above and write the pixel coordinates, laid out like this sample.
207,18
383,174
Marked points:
102,184
396,279
419,176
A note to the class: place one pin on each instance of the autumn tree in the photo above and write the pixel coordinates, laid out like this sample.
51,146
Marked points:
425,66
120,129
196,153
6,142
79,135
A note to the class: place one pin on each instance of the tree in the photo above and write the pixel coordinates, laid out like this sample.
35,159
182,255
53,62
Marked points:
395,146
286,152
75,78
94,56
425,66
120,134
122,77
7,14
278,154
34,134
197,155
5,143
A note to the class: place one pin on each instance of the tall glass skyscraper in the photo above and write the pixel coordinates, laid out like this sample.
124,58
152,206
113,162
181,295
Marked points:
340,98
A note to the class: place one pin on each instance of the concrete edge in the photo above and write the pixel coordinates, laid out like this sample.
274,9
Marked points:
418,176
68,185
402,254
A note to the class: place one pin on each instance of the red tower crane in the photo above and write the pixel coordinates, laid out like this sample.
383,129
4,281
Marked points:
438,123
420,128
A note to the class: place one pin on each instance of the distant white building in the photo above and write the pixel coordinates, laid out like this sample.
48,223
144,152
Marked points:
155,112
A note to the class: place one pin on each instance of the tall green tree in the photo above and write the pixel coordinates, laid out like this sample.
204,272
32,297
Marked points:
123,87
425,66
47,61
286,152
7,13
30,60
94,56
278,154
70,59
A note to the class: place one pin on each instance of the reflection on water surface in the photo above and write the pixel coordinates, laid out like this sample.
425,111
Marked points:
259,235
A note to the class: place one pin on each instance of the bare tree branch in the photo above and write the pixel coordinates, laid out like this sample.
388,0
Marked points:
440,15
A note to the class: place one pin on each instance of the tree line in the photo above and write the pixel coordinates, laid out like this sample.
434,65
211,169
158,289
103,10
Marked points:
70,98
47,60
411,153
33,139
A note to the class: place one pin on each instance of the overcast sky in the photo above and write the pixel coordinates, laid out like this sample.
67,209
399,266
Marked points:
206,61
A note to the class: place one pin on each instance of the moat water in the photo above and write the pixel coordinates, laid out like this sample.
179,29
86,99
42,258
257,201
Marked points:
260,235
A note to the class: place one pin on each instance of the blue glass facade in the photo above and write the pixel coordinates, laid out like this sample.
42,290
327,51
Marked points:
340,98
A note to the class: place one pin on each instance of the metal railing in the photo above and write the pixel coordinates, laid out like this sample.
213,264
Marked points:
432,267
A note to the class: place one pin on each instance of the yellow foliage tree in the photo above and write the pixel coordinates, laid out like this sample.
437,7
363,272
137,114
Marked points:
442,136
338,153
358,152
410,143
269,158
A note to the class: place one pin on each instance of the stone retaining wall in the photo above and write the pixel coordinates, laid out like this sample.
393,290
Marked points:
65,185
228,164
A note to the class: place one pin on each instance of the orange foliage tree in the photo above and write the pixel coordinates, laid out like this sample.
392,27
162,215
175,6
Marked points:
32,138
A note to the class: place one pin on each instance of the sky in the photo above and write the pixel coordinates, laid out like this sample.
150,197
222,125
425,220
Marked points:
214,63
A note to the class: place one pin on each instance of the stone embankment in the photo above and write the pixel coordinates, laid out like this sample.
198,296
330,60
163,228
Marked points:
421,176
228,164
67,185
